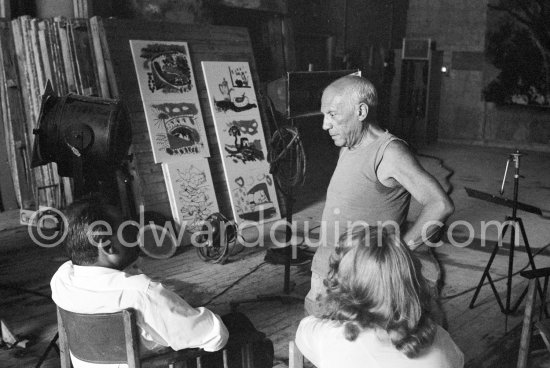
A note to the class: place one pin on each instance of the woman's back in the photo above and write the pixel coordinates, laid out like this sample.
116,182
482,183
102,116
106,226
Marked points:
322,341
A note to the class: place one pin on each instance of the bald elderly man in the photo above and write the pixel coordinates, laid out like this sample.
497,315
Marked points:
373,182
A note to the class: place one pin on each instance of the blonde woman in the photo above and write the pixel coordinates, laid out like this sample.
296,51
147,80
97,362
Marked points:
377,311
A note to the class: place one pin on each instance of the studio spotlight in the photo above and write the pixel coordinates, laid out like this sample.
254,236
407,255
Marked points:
87,137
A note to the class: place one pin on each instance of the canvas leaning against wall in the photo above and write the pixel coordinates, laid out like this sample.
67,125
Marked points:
191,192
170,99
241,140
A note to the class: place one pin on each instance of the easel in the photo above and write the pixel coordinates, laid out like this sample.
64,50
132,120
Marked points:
511,223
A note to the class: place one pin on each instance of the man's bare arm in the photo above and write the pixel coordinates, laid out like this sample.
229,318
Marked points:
399,165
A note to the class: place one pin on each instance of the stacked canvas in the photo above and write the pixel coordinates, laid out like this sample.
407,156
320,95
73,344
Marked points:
241,141
65,53
12,118
176,128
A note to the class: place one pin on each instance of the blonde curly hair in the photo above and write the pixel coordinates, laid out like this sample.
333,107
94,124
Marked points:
375,282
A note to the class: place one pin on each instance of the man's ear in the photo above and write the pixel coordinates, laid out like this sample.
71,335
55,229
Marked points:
363,111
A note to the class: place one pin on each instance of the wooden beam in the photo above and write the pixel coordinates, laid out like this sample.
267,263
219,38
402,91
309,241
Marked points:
7,189
275,6
5,9
288,44
276,46
83,8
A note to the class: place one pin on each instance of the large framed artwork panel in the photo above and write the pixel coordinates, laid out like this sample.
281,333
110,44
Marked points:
241,141
170,99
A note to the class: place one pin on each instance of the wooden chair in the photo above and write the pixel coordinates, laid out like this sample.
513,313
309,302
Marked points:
295,357
543,325
113,338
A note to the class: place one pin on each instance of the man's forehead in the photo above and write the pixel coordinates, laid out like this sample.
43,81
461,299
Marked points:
331,98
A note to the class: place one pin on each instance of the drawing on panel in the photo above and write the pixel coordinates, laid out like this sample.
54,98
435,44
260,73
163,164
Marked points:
170,99
178,131
253,198
243,148
240,77
233,99
241,141
193,192
169,67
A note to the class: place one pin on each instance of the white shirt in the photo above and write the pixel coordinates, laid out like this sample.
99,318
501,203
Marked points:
163,318
323,343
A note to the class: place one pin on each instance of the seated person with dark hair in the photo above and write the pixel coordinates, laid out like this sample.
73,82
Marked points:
94,281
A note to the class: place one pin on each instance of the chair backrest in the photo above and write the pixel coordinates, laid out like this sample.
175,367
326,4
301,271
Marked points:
105,338
111,338
295,357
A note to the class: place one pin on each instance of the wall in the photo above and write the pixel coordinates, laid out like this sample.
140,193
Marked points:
525,127
181,11
459,29
54,8
455,26
364,30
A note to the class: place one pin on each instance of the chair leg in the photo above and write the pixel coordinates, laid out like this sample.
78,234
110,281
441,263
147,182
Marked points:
295,357
64,353
225,360
246,356
51,345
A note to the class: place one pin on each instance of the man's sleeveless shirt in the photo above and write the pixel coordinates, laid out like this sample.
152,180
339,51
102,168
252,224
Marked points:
355,194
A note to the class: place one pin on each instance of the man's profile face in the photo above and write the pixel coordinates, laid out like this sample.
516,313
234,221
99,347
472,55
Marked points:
341,118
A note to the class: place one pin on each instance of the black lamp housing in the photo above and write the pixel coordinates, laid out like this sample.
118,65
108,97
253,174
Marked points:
94,130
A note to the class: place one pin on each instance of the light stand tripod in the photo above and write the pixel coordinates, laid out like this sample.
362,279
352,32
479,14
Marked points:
511,223
286,296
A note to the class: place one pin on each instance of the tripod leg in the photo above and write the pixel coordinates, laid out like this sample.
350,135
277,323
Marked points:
527,246
510,265
485,274
497,297
520,299
51,345
543,299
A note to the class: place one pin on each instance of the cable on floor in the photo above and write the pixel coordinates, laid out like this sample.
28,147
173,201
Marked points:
234,283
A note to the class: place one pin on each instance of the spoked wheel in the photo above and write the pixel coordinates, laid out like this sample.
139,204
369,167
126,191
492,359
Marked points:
218,236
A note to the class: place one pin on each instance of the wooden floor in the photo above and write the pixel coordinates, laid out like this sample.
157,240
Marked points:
481,332
25,304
